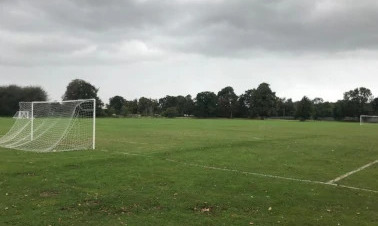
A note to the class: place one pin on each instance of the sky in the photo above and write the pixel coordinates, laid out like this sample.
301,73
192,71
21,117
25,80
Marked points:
153,48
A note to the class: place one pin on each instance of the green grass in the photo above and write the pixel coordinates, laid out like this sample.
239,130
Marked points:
109,187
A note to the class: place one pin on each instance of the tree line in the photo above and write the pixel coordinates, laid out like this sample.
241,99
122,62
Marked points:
260,102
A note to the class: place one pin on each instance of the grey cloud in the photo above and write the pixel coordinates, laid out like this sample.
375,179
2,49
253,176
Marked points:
32,32
288,26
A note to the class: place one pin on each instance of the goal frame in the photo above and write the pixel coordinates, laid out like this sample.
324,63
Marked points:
367,116
65,101
29,128
21,114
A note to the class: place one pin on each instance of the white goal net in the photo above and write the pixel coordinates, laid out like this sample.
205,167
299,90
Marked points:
53,126
368,119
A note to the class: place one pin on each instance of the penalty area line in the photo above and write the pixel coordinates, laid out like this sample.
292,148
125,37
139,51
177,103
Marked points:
351,172
271,176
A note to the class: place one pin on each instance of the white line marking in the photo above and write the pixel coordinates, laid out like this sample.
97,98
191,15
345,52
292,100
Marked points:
252,173
273,176
354,188
126,153
132,142
352,172
245,172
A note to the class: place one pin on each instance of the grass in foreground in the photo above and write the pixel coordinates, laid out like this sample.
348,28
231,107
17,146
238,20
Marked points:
109,187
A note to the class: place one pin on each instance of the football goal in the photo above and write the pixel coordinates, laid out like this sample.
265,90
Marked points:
43,126
368,119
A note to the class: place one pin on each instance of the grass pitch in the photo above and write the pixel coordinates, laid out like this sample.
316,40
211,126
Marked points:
197,172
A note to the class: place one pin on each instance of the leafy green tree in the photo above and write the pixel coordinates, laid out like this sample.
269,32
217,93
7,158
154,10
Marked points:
130,107
339,111
10,96
318,100
227,102
80,89
206,104
289,107
180,105
281,111
144,106
147,106
264,100
167,102
285,107
117,103
170,112
34,93
304,109
244,104
183,105
322,109
189,105
374,106
260,102
357,101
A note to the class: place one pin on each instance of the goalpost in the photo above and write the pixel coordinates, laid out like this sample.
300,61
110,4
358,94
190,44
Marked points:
44,126
368,119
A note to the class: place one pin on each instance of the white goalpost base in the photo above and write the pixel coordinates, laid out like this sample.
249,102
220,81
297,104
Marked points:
43,126
368,119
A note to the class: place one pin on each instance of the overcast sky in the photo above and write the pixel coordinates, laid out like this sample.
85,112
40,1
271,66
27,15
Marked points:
318,48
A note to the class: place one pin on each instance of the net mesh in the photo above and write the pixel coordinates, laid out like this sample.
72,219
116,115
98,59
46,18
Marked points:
52,126
368,119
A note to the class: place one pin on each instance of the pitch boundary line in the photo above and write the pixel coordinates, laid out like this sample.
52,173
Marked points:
272,176
352,172
245,172
251,173
127,153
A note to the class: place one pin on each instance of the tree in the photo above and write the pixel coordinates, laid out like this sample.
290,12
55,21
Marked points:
244,104
189,106
322,109
147,107
227,102
33,93
10,96
374,106
206,104
264,100
285,108
180,105
130,107
357,101
289,107
117,103
167,102
260,102
304,109
170,112
80,89
281,111
183,105
339,111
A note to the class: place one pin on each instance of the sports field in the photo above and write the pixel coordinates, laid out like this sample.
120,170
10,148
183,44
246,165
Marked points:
198,172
